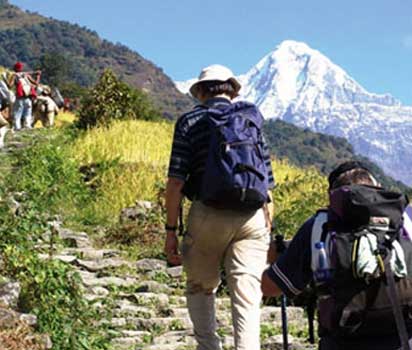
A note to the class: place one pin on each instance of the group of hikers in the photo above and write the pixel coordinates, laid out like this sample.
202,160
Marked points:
24,101
355,254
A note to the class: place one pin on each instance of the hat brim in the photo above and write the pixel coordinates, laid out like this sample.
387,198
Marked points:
194,89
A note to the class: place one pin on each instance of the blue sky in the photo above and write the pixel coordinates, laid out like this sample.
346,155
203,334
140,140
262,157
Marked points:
371,40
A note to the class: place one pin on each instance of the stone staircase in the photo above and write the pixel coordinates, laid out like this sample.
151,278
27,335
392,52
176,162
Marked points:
145,299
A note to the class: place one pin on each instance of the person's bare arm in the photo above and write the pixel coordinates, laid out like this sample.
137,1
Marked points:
34,81
269,211
268,287
173,201
271,206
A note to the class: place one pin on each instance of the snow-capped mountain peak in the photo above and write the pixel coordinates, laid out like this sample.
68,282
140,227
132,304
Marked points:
296,74
301,85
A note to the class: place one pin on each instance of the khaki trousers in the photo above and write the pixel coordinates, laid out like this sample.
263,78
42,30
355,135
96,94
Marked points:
240,242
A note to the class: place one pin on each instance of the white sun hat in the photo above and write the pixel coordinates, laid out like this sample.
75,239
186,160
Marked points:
215,72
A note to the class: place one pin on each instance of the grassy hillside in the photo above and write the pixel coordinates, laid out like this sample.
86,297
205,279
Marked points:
30,37
131,160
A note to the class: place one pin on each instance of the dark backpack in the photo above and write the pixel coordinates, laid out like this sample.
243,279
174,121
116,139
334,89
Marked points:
357,301
236,176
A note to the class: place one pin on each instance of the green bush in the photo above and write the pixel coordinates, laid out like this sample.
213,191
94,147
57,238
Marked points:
297,199
50,177
111,99
50,289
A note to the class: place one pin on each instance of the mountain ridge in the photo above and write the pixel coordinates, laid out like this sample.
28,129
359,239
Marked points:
300,85
27,37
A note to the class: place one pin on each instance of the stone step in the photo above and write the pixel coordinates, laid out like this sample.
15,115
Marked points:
68,259
158,300
153,287
126,343
90,280
74,239
150,265
175,272
176,346
180,301
91,253
186,337
96,293
126,308
163,324
276,343
294,314
102,264
9,317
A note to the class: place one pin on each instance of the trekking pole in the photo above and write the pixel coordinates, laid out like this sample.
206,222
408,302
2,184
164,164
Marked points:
280,248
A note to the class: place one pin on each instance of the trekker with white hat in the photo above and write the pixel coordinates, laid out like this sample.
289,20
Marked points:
220,161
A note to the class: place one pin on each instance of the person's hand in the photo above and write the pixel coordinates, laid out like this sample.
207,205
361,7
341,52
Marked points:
171,249
272,255
268,217
268,287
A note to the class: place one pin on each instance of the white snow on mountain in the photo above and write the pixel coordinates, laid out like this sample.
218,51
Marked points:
302,86
184,86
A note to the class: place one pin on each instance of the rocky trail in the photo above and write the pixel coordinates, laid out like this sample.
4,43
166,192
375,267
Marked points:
142,302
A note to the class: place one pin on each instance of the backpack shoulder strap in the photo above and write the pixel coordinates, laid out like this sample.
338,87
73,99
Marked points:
396,305
321,219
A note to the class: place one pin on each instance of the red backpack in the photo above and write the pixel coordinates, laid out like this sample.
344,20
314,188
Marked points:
23,86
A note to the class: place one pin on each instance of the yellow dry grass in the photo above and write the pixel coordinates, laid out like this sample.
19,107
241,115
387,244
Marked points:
128,141
142,150
62,119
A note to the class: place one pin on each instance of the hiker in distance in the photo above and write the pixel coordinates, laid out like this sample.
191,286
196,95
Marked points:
24,86
352,252
220,162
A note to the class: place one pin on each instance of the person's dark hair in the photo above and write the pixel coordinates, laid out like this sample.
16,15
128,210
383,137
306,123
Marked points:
350,173
209,89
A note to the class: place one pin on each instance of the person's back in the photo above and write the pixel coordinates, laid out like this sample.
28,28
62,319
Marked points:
45,108
24,87
355,311
216,234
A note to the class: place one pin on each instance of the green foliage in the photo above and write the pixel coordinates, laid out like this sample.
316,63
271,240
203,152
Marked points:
267,331
110,100
45,180
49,176
141,238
50,289
297,197
73,90
55,68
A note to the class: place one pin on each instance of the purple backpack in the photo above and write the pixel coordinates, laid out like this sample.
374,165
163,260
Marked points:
236,176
